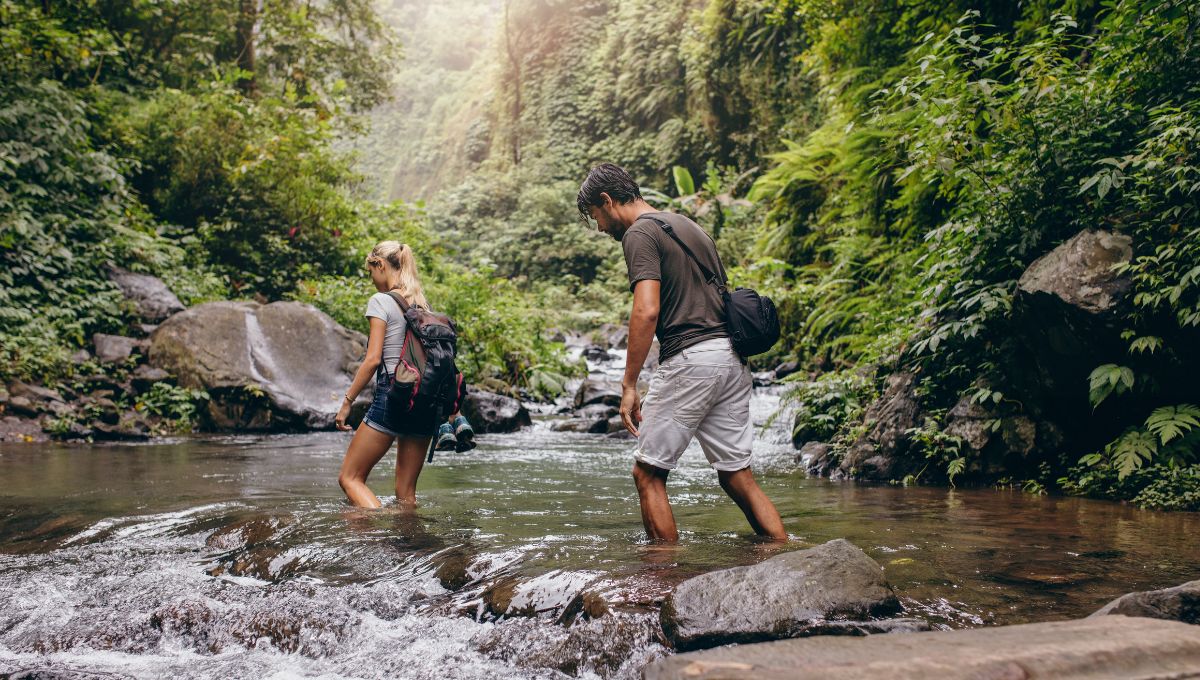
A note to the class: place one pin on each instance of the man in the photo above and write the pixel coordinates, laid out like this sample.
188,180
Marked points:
702,387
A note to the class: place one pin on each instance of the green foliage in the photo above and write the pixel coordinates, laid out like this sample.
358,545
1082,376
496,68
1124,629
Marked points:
173,403
827,404
1108,379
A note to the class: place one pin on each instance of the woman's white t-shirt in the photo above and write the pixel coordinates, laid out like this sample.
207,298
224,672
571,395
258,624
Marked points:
383,306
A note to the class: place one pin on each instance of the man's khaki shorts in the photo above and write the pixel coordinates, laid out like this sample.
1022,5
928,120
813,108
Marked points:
702,392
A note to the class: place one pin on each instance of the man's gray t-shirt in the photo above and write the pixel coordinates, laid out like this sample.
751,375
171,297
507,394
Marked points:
383,306
690,310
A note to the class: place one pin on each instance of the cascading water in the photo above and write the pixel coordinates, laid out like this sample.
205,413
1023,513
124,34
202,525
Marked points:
235,556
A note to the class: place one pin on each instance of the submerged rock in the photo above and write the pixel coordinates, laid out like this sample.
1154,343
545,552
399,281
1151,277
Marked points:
1181,603
280,366
1089,649
832,588
490,412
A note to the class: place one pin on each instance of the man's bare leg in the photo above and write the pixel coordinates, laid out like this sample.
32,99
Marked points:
759,509
656,509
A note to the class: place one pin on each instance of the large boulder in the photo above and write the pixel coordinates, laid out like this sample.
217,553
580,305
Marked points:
280,366
593,391
1181,603
490,412
1108,647
155,302
832,588
875,455
1069,310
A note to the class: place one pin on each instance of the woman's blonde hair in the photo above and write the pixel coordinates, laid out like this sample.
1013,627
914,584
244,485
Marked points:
400,258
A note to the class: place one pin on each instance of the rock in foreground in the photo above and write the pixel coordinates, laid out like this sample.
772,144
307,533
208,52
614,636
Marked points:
281,366
832,588
1181,603
1094,648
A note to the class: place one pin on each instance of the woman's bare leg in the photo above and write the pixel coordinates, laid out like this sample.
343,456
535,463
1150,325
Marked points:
366,448
410,458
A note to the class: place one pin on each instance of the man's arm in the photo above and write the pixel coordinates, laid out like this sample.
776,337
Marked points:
642,322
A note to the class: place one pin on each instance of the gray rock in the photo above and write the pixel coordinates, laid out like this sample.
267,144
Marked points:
34,393
114,348
598,392
790,595
1102,648
1181,603
145,376
1068,311
875,454
81,356
592,426
615,425
786,368
816,458
23,406
597,354
998,443
155,302
1080,272
16,429
489,412
280,366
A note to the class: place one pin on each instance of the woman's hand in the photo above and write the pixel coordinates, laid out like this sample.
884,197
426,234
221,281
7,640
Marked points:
343,413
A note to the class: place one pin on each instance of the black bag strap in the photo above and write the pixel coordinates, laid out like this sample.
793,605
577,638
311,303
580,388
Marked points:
709,276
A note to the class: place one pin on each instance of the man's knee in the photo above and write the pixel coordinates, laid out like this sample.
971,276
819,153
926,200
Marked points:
644,475
732,480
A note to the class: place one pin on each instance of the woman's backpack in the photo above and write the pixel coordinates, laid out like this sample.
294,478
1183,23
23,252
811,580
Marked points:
427,382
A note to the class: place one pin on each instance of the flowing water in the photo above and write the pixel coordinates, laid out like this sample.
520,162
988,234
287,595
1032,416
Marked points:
235,556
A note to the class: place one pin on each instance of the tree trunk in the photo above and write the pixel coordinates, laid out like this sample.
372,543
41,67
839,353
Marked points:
514,65
247,19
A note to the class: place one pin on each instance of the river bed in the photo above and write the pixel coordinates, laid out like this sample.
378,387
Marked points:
235,556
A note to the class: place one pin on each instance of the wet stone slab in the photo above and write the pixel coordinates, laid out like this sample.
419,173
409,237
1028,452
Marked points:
1096,649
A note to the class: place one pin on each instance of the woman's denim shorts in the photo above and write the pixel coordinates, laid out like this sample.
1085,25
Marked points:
411,424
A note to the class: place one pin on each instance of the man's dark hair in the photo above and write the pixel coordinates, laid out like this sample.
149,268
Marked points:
610,179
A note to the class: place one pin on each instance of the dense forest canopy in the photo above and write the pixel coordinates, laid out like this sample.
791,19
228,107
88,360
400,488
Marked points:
886,170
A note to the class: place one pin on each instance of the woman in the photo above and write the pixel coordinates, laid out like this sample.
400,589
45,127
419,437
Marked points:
393,268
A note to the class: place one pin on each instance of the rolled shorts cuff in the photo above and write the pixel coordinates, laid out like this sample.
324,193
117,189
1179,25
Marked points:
379,428
730,465
642,458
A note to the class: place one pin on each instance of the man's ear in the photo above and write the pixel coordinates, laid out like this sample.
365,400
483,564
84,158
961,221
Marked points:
607,202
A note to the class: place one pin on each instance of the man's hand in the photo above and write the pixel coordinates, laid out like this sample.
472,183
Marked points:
631,408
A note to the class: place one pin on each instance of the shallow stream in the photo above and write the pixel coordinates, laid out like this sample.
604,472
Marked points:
235,556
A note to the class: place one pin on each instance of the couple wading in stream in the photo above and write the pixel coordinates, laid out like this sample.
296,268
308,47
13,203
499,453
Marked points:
700,389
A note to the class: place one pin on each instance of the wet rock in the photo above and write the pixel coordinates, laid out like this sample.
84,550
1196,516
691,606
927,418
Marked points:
613,646
875,454
762,378
489,412
786,368
244,533
790,595
1102,647
546,596
620,434
144,377
114,348
597,354
130,426
593,426
16,429
616,425
280,366
1181,603
816,458
155,302
454,570
593,391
